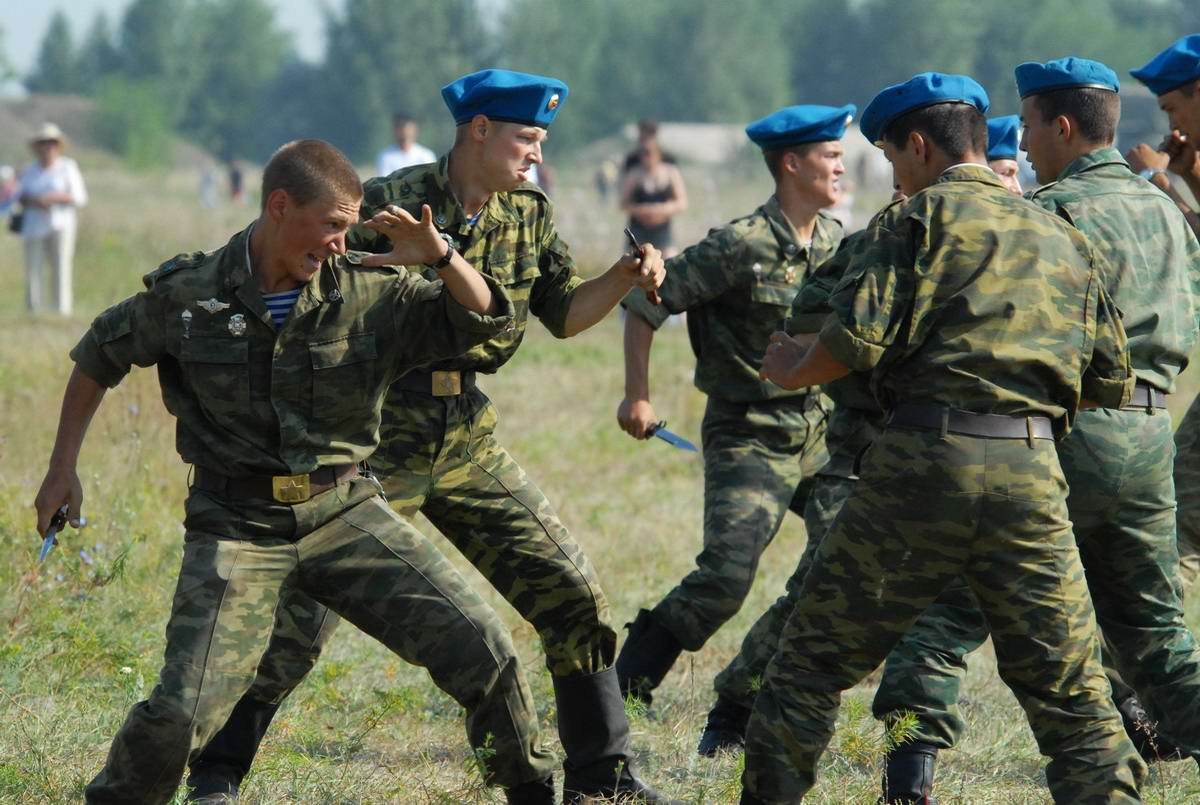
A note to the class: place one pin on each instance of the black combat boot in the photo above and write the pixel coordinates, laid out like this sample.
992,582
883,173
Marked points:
1151,745
595,738
725,730
218,771
648,653
908,779
537,792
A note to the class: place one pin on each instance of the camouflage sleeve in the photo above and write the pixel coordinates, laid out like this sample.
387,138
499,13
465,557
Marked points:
872,301
699,274
359,238
430,325
128,334
1108,379
552,292
810,308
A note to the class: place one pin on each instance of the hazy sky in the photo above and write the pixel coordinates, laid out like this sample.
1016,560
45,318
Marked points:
24,23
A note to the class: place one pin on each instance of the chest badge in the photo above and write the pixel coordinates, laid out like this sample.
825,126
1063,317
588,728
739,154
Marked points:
185,319
790,274
237,324
757,269
212,306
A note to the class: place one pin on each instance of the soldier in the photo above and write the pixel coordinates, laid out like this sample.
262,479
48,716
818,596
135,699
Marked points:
762,444
438,455
275,417
1117,463
1174,76
1004,134
980,339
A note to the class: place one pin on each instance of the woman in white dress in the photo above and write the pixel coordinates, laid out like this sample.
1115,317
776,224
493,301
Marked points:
51,190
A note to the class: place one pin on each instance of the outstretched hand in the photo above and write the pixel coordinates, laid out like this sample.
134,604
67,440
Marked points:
413,242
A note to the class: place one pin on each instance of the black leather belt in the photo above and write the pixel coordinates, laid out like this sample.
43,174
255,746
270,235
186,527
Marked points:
951,420
1146,396
437,383
281,488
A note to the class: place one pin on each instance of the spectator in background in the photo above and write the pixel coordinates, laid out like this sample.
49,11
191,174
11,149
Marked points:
647,131
653,194
8,189
51,189
406,151
237,182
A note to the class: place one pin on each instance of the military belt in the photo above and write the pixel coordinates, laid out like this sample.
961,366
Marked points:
951,420
1146,396
436,383
281,488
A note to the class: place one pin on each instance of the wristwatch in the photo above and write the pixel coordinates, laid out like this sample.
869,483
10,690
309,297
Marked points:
1149,173
448,256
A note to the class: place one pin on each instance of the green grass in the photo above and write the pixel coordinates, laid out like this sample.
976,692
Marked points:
81,641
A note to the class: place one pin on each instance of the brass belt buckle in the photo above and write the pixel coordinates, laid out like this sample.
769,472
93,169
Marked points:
447,384
290,488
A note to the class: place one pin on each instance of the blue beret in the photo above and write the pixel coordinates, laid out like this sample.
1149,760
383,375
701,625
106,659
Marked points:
505,95
923,89
1174,67
794,125
1004,135
1069,73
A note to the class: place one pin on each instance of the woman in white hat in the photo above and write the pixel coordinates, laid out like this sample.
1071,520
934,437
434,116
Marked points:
51,189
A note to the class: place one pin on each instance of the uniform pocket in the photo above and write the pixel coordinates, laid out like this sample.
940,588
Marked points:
343,375
218,370
780,294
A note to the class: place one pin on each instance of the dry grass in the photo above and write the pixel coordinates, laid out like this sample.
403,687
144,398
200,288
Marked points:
366,727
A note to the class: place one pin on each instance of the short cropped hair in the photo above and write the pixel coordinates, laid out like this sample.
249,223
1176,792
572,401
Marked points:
400,118
308,170
1094,111
955,128
774,156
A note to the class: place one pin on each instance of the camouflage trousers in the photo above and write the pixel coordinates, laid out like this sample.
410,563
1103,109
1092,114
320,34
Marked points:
929,510
1187,492
760,459
438,455
1119,467
347,550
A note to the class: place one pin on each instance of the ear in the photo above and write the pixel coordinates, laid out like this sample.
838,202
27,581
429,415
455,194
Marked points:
1065,127
917,141
789,163
480,128
277,203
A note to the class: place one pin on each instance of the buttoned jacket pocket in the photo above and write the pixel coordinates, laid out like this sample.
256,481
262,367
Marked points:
218,370
344,376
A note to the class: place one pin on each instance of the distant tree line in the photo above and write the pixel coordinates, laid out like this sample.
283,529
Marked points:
223,74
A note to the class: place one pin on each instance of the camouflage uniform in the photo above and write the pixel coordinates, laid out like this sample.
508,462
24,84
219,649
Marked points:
438,455
1118,465
854,424
1187,491
1018,340
253,401
762,444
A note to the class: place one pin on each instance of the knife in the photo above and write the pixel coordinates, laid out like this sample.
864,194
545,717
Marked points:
56,524
659,429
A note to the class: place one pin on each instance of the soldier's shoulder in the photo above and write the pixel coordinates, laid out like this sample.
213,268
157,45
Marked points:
183,264
833,222
403,187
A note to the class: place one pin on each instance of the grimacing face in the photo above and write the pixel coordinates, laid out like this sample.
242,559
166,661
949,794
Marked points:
310,233
509,151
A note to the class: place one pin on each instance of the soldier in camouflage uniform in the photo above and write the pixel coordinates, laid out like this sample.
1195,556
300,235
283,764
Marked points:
438,453
854,423
1174,77
1118,463
762,444
275,418
982,320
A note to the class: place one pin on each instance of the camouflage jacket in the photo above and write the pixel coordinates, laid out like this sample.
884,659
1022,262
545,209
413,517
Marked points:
969,297
1152,255
736,286
513,240
250,400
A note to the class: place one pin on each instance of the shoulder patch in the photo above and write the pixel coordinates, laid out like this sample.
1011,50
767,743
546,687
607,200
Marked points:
176,263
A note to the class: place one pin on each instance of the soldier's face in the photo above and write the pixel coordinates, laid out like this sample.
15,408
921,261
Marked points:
1041,140
1183,110
509,151
906,167
310,233
818,171
1007,170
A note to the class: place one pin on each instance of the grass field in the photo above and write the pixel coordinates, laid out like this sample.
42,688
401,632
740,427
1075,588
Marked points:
81,639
